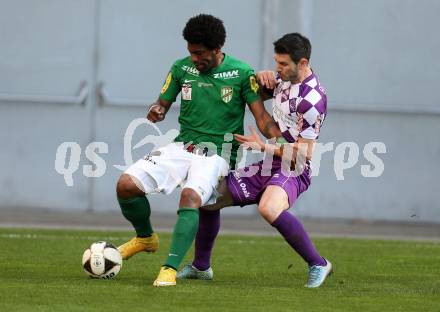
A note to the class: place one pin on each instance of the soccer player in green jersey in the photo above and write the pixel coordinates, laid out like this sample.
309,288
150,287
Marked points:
214,88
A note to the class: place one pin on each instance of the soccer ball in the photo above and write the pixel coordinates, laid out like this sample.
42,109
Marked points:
102,260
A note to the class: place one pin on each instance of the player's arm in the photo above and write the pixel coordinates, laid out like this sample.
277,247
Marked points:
267,82
170,90
264,121
250,92
157,111
298,152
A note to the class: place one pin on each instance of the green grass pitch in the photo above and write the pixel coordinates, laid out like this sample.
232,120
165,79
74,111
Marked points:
40,270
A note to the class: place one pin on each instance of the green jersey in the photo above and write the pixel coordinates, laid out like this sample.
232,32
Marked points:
212,103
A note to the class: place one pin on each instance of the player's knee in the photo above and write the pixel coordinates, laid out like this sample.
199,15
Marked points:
268,211
190,198
126,188
264,210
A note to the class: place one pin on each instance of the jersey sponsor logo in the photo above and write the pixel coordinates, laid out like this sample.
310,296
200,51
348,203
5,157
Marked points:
243,187
254,84
166,84
149,156
299,122
286,119
186,92
244,190
150,159
231,74
226,93
292,104
205,85
190,70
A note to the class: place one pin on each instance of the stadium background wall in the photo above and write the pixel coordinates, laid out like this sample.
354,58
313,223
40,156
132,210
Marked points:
378,61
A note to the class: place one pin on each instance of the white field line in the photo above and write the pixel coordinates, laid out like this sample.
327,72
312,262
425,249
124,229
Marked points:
60,237
95,238
435,244
238,241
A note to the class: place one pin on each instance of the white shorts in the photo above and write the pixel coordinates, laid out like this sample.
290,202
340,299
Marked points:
166,168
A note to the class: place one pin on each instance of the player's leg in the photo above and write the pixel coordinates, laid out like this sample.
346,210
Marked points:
273,207
209,226
185,228
147,176
238,188
201,182
135,208
182,238
134,205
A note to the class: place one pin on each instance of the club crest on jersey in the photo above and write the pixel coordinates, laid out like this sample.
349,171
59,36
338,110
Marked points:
226,93
186,92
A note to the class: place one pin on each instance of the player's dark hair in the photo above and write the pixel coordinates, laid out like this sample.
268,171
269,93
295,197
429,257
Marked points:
294,44
205,29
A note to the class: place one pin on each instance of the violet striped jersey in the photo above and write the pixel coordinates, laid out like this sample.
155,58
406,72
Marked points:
299,109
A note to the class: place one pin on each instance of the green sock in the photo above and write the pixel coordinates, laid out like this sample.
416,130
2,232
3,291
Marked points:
184,233
137,211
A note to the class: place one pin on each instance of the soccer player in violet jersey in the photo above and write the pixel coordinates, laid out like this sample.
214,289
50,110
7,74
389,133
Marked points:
299,108
214,88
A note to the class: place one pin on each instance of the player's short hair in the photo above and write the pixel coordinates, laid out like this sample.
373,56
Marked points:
205,29
294,44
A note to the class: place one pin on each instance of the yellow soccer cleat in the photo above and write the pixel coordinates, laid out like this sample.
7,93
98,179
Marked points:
166,277
139,244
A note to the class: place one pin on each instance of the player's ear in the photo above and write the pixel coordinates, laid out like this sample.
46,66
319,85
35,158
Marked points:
303,63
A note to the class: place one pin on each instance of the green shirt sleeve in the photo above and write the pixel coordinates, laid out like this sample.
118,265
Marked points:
249,90
171,87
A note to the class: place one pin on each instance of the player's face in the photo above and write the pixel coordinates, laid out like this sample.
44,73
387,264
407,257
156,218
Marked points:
203,58
286,68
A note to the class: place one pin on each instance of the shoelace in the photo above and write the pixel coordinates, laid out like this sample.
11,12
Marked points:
314,272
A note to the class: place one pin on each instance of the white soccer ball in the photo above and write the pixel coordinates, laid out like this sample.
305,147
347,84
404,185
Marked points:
102,260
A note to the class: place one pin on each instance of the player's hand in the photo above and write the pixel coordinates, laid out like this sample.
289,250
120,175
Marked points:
252,141
266,78
156,113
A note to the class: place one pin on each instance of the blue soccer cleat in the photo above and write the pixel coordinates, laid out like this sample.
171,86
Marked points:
318,274
191,272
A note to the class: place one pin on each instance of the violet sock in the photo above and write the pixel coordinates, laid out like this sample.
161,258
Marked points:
294,233
209,226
